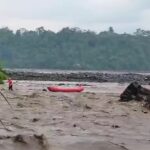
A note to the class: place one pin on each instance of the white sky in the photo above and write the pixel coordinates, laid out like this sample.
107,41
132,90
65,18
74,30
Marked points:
96,15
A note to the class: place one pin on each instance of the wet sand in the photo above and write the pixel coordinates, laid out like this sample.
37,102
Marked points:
91,120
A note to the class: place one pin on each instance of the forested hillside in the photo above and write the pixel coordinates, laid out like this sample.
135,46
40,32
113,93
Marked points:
72,48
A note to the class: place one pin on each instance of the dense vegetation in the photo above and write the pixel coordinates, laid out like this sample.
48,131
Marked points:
72,48
3,75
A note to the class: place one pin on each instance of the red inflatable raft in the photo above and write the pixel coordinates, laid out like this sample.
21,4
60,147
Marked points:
65,89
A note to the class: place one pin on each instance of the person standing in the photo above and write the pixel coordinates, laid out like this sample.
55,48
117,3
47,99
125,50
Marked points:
10,84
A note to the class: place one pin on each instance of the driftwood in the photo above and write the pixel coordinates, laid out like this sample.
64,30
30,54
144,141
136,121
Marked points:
135,91
10,107
6,100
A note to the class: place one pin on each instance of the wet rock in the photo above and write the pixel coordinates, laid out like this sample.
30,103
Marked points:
135,91
130,92
88,107
115,126
19,138
145,112
24,142
35,119
20,105
15,118
44,90
74,125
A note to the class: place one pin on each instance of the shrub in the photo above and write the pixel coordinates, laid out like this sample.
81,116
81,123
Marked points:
3,75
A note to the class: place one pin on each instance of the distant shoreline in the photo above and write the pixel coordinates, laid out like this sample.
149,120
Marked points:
88,76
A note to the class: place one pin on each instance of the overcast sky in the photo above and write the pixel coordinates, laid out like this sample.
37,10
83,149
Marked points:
96,15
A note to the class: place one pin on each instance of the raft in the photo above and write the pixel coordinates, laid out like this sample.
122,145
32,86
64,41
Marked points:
65,89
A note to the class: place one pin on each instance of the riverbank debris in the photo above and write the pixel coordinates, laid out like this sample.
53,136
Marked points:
135,91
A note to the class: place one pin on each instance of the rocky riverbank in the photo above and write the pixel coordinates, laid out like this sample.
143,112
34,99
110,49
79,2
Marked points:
143,78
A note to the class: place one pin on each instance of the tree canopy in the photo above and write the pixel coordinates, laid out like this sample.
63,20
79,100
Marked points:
73,48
